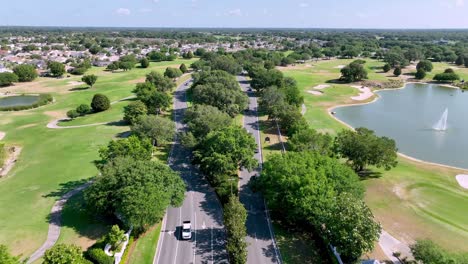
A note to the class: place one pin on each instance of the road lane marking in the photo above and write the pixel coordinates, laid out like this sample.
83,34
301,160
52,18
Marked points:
177,240
212,244
159,247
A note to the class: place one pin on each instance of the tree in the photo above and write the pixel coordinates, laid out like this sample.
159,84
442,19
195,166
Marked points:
350,227
113,66
272,101
354,72
172,73
397,71
262,78
7,78
25,72
115,237
56,69
6,257
162,83
302,186
309,140
224,151
235,217
137,191
133,147
449,75
89,79
83,109
183,68
217,94
72,114
64,254
426,65
202,119
133,111
428,252
386,67
156,101
100,103
362,147
144,62
159,129
420,74
460,60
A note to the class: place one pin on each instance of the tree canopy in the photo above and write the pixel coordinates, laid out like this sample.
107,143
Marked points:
64,254
56,69
25,72
159,129
89,79
235,217
7,78
134,147
202,119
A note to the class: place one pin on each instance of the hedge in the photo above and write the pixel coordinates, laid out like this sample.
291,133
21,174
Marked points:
43,100
98,256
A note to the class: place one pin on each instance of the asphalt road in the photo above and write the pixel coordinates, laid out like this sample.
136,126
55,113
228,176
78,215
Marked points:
201,206
260,238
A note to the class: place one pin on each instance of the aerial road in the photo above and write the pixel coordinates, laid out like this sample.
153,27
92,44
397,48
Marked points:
260,237
207,242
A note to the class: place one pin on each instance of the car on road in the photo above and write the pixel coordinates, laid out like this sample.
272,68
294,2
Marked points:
256,150
250,89
186,231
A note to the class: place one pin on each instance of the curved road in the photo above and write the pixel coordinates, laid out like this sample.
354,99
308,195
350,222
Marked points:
201,206
262,246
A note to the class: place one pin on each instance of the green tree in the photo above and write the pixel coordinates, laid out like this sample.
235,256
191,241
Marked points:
56,69
156,101
183,68
133,147
235,217
397,71
113,66
449,75
427,252
89,79
460,60
202,119
64,254
83,109
420,74
7,78
162,83
426,65
272,102
231,101
72,114
139,191
386,67
115,237
144,62
362,147
100,103
25,72
354,72
159,129
6,257
262,78
309,140
172,73
350,227
133,111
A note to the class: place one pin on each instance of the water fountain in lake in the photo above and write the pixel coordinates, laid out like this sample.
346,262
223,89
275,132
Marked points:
441,125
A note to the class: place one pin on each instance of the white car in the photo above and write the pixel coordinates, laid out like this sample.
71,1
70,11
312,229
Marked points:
186,230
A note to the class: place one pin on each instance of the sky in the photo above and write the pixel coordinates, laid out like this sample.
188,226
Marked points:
238,13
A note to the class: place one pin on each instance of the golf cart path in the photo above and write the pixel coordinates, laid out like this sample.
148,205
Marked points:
54,123
389,245
55,223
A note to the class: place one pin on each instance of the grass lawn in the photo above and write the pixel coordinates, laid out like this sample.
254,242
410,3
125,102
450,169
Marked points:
53,160
145,246
412,201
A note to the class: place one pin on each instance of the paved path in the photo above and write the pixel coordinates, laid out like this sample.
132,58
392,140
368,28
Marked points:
55,223
201,206
389,245
2,135
262,246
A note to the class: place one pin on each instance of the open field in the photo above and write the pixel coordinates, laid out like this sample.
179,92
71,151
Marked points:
53,160
414,200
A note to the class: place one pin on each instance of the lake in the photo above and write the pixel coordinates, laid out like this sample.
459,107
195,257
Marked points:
18,100
408,115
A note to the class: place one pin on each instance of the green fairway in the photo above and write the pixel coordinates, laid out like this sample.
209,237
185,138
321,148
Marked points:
414,200
52,160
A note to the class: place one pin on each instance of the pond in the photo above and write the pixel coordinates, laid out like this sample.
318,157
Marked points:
21,100
410,116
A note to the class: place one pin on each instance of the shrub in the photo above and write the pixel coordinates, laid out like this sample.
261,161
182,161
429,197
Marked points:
144,63
446,77
183,68
89,79
43,100
25,72
73,114
425,65
100,103
7,78
420,74
83,109
397,71
98,256
386,68
78,71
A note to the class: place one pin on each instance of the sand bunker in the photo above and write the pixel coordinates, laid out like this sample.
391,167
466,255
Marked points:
462,179
2,135
315,92
364,93
73,83
321,86
340,67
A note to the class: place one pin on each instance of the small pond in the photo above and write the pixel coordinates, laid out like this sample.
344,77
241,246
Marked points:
409,116
20,100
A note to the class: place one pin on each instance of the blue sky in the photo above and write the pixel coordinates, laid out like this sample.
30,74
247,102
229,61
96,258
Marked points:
240,13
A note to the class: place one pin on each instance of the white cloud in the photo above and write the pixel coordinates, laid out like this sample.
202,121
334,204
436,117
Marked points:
123,11
303,5
156,1
235,12
459,2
